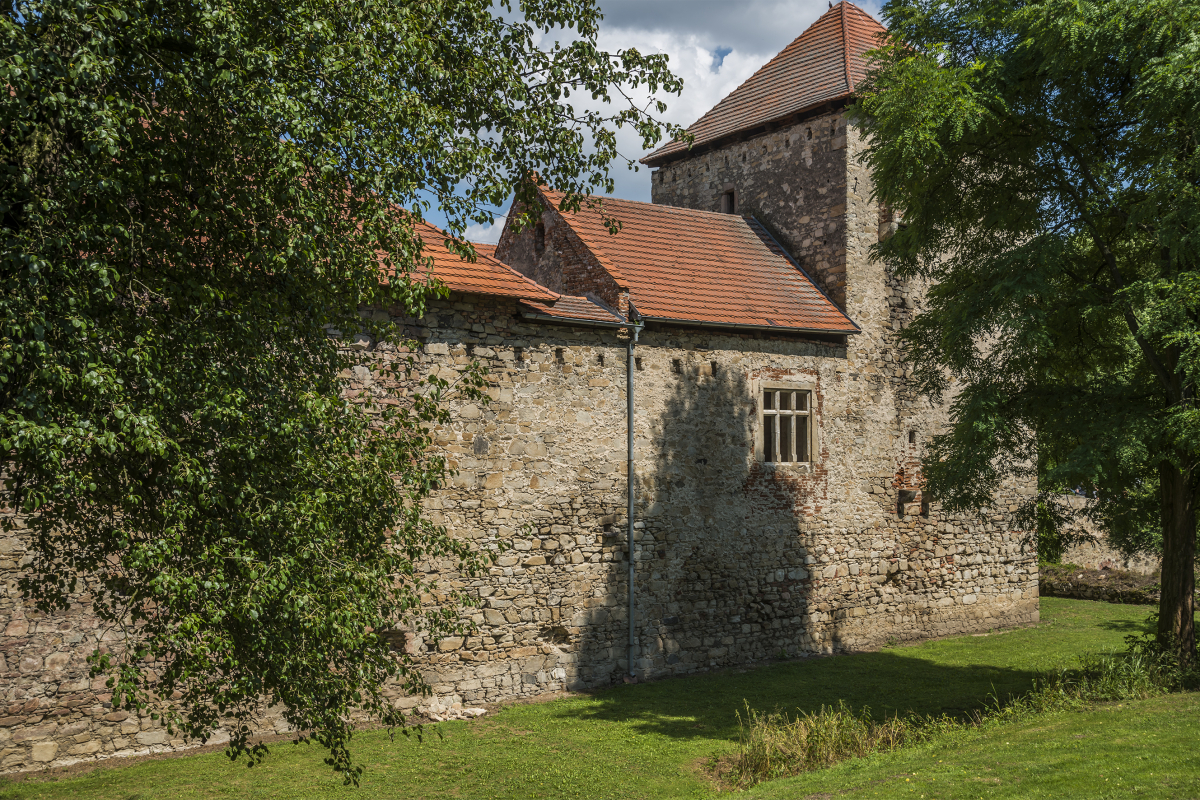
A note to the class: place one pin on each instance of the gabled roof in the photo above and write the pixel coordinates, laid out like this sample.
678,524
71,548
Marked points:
486,276
822,65
701,267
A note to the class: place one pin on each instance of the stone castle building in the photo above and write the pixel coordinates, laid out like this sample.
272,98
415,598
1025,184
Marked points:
777,438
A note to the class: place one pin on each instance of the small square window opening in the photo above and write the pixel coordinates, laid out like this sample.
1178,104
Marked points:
787,425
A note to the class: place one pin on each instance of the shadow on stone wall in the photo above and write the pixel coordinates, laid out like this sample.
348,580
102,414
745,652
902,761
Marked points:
721,573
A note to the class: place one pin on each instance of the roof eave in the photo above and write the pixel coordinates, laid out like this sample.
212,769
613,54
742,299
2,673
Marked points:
529,298
587,323
740,326
764,127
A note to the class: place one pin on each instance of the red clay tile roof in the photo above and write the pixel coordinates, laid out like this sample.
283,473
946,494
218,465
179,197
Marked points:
569,308
488,250
823,64
486,276
698,266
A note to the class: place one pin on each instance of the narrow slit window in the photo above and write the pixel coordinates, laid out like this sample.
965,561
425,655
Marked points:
729,203
787,428
539,239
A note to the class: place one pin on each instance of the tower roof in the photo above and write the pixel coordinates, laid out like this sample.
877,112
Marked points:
821,66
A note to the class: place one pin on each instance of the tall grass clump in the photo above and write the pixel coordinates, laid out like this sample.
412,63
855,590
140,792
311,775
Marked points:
1146,668
776,744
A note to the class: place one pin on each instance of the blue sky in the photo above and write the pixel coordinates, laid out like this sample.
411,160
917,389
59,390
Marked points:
713,45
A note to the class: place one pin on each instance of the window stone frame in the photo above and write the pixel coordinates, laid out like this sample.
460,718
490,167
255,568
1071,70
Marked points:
813,444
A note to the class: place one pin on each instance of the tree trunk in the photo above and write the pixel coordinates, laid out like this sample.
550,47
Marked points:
1176,606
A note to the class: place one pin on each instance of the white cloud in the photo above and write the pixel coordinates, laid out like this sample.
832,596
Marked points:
690,32
484,233
691,58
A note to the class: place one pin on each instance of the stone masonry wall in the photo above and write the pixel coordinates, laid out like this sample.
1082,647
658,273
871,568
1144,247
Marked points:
792,179
737,560
52,712
1093,550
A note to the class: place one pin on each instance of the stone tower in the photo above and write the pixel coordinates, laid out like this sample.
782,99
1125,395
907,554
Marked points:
778,149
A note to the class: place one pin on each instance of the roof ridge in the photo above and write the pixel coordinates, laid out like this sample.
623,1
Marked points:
846,45
662,207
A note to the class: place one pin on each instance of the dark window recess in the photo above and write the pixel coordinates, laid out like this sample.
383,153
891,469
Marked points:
912,437
600,359
470,350
637,363
787,142
786,427
539,239
676,366
729,203
558,355
906,496
809,132
714,369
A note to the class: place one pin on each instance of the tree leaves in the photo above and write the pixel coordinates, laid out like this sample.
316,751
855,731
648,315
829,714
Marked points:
1025,147
194,196
1044,159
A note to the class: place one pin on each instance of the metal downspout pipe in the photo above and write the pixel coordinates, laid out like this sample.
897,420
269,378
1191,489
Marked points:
634,328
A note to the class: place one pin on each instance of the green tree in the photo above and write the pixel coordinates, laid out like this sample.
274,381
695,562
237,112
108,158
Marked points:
1044,157
193,196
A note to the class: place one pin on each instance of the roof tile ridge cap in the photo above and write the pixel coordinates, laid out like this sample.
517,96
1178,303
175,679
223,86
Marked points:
846,46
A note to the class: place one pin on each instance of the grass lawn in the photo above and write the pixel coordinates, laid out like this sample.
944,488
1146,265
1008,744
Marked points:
650,741
1129,750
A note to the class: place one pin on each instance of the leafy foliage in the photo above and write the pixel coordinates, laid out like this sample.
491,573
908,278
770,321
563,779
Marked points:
194,197
1044,158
